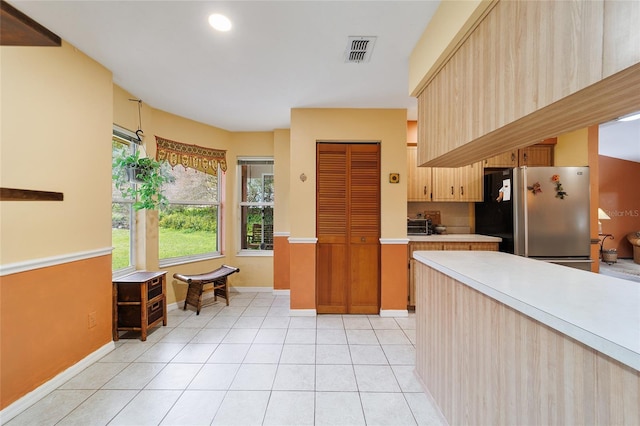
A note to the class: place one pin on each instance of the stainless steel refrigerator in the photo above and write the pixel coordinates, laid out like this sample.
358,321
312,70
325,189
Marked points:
539,212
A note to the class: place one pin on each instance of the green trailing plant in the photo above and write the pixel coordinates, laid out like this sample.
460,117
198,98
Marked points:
139,179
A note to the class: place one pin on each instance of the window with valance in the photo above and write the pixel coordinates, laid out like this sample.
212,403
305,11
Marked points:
190,225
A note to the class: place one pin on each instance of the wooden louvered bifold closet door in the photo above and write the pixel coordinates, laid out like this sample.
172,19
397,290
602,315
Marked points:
348,228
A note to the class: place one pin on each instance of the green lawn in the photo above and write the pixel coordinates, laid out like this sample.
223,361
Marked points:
173,243
120,254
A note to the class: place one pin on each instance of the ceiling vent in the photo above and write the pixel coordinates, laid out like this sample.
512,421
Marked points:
359,49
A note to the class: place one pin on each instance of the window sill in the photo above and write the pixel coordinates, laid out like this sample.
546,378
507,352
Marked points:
255,253
175,261
122,272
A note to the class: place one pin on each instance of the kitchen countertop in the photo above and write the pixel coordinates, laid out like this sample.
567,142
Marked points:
455,238
600,311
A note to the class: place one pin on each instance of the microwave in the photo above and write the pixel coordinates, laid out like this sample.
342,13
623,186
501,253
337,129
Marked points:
419,227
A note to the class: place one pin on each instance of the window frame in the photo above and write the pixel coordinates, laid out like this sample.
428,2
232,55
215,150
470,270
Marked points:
239,163
129,138
178,260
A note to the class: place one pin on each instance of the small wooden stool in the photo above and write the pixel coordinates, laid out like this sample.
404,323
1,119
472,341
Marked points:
196,284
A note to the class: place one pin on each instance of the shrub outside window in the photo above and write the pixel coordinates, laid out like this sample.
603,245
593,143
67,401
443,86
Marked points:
256,205
189,223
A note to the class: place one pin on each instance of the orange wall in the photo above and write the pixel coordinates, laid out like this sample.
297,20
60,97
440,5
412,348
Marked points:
45,324
281,266
303,275
412,132
57,119
619,199
393,280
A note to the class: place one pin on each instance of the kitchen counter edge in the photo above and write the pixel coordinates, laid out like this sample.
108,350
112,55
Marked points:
454,238
599,311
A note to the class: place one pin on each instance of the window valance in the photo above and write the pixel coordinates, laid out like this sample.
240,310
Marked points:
195,157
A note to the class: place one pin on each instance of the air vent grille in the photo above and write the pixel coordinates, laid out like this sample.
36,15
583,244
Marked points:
359,49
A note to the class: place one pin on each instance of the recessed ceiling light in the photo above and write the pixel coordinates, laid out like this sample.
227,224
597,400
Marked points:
630,117
220,22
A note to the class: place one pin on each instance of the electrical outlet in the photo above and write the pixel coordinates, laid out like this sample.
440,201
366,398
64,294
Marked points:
92,319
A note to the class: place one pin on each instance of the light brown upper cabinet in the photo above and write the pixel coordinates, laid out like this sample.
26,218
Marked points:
532,156
536,155
442,183
419,178
527,71
457,183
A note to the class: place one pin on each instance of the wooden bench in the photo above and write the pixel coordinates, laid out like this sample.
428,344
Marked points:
196,284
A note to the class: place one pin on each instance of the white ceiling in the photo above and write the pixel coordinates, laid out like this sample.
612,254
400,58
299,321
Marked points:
620,139
279,54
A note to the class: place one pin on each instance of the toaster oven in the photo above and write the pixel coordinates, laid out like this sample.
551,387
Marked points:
419,227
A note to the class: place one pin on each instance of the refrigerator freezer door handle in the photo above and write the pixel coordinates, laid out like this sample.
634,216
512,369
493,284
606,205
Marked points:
525,209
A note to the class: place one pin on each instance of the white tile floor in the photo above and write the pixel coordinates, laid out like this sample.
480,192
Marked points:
249,364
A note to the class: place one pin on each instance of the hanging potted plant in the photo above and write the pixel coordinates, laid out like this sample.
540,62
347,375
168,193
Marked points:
139,179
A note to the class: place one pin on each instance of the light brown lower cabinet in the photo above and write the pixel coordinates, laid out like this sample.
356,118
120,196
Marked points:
439,245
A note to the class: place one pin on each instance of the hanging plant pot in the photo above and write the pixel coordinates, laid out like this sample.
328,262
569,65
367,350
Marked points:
137,174
146,173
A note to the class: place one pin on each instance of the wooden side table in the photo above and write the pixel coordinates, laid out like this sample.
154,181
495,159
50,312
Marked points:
139,302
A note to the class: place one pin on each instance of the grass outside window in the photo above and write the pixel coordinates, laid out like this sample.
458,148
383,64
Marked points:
176,244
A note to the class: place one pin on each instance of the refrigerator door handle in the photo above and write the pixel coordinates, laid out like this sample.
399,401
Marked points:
525,212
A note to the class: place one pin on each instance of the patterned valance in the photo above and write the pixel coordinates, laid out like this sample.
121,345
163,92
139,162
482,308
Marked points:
195,157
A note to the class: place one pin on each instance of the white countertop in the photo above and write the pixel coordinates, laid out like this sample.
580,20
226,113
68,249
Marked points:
455,238
600,311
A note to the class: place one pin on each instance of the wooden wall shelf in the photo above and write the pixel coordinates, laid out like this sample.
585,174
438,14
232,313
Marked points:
11,194
17,29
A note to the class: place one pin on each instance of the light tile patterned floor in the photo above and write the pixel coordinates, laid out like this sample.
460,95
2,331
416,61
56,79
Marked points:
249,364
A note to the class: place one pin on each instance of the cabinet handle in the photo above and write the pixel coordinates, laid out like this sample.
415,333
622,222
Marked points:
526,157
452,190
513,157
462,190
155,306
424,191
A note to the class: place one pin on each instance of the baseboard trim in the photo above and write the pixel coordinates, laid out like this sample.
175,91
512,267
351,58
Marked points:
277,292
46,388
394,313
175,305
251,289
302,312
45,262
